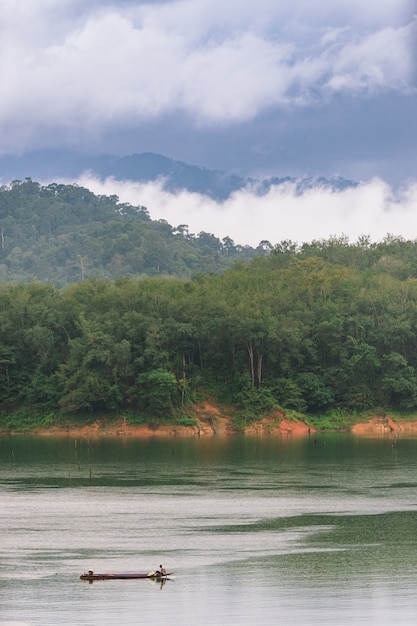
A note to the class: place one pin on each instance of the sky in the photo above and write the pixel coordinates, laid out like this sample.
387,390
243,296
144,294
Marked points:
260,88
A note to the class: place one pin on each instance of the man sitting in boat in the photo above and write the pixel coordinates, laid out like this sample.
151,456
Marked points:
162,571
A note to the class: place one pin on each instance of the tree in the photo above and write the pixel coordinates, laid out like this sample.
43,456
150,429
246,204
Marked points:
159,390
399,382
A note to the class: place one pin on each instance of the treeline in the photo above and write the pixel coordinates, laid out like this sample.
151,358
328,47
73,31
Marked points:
65,233
310,328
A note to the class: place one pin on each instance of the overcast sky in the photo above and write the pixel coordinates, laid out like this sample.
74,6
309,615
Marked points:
260,87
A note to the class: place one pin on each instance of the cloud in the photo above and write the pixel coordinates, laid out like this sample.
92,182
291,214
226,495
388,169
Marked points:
370,209
76,68
381,59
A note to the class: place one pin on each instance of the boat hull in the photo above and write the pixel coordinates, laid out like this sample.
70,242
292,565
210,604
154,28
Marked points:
123,576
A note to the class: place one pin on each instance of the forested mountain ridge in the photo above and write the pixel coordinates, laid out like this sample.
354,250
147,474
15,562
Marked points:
326,326
65,233
148,166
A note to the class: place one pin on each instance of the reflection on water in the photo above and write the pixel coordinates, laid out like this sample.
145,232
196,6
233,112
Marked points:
295,531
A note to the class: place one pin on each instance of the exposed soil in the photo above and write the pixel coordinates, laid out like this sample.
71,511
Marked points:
385,427
278,424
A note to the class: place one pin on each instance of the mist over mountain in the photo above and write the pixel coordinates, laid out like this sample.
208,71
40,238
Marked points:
146,167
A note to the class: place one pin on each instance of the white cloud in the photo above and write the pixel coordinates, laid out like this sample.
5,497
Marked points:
370,209
67,66
380,59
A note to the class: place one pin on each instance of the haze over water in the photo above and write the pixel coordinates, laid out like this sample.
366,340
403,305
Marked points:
289,531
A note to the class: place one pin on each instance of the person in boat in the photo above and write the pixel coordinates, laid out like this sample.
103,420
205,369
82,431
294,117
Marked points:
162,571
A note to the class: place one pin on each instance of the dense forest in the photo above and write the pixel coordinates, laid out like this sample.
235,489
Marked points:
65,233
311,328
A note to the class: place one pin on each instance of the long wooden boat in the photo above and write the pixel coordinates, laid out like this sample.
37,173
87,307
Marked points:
152,575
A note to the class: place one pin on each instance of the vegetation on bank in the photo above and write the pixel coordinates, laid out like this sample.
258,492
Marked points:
326,332
195,419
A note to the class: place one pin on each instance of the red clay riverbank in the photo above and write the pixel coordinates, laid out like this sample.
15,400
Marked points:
385,427
213,419
210,420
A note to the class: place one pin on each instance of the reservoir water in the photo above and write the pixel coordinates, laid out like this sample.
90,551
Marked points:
321,530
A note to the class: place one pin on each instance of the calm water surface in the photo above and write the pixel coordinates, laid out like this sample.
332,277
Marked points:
292,532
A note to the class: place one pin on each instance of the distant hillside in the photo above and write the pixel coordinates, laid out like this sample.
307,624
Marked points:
65,233
145,167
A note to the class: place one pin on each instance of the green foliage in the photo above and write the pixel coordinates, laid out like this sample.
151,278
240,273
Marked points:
255,401
158,390
64,233
316,395
326,329
399,382
135,418
182,419
336,419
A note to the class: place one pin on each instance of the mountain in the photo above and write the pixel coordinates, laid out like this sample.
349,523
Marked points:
146,167
64,233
